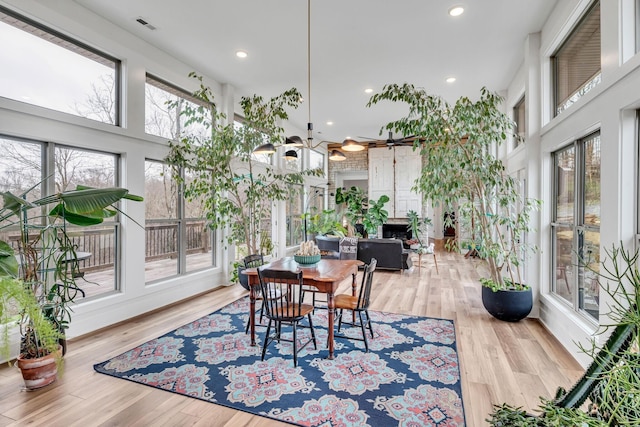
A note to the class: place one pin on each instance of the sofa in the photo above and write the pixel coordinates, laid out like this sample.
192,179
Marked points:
389,253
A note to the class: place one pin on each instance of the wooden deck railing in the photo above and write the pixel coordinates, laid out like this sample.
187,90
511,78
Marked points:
161,239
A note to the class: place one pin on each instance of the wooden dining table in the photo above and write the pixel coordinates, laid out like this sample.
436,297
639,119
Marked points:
325,276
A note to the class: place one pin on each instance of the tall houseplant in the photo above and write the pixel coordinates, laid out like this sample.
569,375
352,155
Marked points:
462,170
238,189
44,259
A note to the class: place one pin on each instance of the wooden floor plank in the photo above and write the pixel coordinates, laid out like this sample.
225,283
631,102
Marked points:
499,361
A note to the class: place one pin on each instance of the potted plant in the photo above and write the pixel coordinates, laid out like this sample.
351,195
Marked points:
325,223
16,302
375,216
352,203
238,188
462,171
45,262
417,226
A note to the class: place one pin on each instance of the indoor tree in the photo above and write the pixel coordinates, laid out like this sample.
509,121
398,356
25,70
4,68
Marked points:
238,190
459,142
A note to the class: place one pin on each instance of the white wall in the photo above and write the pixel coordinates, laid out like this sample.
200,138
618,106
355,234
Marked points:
609,107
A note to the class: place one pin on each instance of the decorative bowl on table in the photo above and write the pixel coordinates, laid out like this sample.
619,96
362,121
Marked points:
307,259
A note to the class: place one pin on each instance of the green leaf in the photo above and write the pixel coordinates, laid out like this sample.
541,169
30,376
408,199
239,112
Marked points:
8,263
13,204
87,200
91,218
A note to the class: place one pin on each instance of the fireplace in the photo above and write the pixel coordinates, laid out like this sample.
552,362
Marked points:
398,231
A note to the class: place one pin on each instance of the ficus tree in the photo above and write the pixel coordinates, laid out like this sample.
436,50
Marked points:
236,188
459,143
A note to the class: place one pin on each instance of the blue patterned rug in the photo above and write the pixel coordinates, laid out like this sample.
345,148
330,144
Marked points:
410,377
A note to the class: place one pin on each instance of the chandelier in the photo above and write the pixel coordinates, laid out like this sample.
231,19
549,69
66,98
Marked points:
291,143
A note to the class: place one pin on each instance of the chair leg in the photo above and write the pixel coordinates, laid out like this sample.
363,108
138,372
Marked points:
339,320
435,260
266,340
261,311
369,322
364,333
313,334
295,344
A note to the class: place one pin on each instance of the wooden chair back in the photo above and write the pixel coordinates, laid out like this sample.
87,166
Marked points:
253,260
364,296
287,283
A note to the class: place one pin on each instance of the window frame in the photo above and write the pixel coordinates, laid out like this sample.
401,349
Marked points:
290,216
81,49
181,221
47,184
170,88
637,26
637,178
516,118
578,227
558,105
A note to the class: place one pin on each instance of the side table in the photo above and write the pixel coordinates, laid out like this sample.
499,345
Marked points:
435,259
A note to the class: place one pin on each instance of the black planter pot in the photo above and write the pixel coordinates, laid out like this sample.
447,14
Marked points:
243,278
507,305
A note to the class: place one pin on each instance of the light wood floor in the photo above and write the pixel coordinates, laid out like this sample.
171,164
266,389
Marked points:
500,362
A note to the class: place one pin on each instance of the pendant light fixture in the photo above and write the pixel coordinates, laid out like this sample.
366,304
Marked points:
351,145
337,156
293,142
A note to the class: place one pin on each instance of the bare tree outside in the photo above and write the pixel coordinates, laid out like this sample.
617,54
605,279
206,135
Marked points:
100,103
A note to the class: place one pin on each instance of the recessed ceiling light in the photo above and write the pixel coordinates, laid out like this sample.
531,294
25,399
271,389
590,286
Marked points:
368,90
241,54
450,79
329,123
456,11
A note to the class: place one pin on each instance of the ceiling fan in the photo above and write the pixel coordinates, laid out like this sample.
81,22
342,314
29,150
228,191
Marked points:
390,142
351,144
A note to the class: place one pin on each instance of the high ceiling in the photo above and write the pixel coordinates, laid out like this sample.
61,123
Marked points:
355,44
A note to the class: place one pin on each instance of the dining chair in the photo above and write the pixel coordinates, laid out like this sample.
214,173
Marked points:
289,310
357,304
255,261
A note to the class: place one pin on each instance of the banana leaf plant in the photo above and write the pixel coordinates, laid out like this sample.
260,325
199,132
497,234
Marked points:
44,258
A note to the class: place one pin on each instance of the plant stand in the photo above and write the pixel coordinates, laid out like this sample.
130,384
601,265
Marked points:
435,261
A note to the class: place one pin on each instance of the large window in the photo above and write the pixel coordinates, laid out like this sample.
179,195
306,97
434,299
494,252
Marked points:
23,166
576,225
244,131
51,70
316,160
519,117
294,208
164,105
577,62
178,239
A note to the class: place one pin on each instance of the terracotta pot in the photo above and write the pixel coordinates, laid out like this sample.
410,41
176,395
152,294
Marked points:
39,372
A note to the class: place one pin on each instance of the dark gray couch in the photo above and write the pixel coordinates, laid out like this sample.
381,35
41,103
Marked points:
389,253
